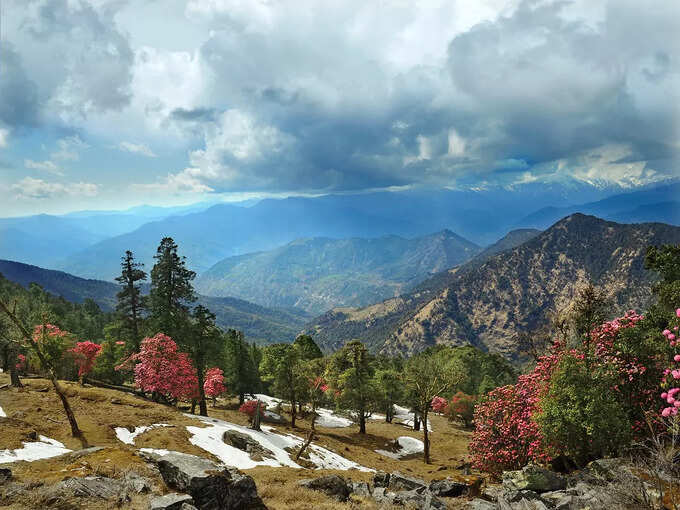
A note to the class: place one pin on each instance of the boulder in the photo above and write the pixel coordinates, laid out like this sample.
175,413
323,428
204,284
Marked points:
534,478
360,488
172,501
136,484
559,500
420,500
244,442
5,475
447,488
212,485
94,487
272,417
481,504
398,482
333,485
521,500
608,469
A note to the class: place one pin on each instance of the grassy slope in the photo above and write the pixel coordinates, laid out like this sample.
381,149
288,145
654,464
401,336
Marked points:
99,410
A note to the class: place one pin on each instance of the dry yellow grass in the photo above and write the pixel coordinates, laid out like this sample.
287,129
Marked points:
100,410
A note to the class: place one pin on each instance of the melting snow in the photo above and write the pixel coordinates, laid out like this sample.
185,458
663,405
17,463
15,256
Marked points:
401,415
327,418
210,439
129,437
2,413
408,446
43,449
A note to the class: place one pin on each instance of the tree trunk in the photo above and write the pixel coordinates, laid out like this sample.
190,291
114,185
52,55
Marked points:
241,399
13,372
202,405
362,422
310,436
300,408
256,418
292,413
193,406
75,431
426,439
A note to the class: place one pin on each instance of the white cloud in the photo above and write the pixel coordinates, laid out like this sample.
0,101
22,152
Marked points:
29,187
137,148
4,136
69,148
44,166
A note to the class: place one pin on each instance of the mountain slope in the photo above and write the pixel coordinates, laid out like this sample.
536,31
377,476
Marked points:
488,304
320,273
257,322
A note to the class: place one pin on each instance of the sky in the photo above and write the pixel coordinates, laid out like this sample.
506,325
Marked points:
114,103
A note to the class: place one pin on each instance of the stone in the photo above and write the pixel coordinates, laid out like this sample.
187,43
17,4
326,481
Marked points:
491,493
360,488
481,504
94,486
187,506
135,483
244,442
421,500
447,488
213,486
272,417
381,479
172,501
533,478
5,475
399,482
521,500
608,469
333,485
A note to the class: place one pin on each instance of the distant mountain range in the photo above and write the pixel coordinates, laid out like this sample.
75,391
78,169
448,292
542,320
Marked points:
488,304
320,273
257,322
90,243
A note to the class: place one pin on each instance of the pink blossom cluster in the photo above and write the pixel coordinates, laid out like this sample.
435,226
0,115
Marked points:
21,364
214,382
671,374
84,355
249,407
47,330
160,367
439,404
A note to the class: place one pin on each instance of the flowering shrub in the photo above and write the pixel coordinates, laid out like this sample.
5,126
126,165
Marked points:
439,404
85,354
462,407
249,407
214,383
506,437
162,369
671,374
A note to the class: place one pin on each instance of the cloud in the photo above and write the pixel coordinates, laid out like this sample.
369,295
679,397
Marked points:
4,137
45,166
69,148
32,188
136,148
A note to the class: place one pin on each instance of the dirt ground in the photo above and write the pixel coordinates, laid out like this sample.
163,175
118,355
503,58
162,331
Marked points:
32,410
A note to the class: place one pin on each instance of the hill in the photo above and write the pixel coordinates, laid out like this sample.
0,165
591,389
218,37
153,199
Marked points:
257,322
320,273
489,304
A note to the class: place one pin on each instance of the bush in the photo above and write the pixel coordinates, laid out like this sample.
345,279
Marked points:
249,407
462,407
581,414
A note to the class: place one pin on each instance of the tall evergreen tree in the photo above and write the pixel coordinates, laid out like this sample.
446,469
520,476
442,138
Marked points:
203,343
171,291
282,368
131,303
240,367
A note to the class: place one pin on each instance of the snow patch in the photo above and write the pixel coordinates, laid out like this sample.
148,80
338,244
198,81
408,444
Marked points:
210,439
128,437
43,449
402,416
407,446
2,413
327,418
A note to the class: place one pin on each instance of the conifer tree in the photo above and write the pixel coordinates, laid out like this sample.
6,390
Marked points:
203,343
131,303
171,291
240,367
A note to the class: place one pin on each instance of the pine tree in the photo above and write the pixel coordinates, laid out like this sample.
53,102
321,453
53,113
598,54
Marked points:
131,303
240,368
171,291
203,344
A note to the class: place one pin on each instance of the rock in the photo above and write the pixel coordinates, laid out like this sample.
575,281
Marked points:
559,500
382,497
5,475
136,484
360,488
333,485
172,501
491,493
608,469
272,417
420,500
381,479
94,486
447,488
533,478
481,504
399,482
521,500
244,442
187,506
212,485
